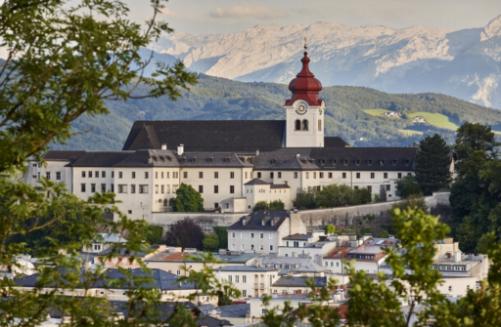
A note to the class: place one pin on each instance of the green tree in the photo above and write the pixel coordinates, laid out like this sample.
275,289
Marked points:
408,187
474,195
210,242
155,234
187,200
433,160
222,236
330,229
305,200
64,59
185,234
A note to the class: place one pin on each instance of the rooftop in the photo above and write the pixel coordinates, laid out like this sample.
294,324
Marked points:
261,220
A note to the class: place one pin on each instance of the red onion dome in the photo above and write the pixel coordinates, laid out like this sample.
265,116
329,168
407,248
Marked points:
305,86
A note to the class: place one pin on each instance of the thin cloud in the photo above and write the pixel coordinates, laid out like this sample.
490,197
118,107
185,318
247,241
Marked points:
246,11
167,12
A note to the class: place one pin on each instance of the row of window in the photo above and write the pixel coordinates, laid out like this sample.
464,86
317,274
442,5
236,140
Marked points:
121,188
133,175
252,235
216,189
321,174
215,174
48,175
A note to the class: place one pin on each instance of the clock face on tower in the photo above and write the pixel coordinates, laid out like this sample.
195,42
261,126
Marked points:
301,107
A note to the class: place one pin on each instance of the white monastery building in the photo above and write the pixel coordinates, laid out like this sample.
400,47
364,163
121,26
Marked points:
233,164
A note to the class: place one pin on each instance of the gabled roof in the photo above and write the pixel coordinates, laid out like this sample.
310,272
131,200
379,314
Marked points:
257,181
159,279
261,220
207,135
300,281
56,155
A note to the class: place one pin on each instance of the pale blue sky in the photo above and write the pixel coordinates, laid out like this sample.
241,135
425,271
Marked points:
208,16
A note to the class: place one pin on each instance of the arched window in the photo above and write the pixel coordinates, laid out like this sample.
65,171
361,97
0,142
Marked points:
305,125
320,125
298,125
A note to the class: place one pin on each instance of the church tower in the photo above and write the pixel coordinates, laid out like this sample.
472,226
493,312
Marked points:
304,111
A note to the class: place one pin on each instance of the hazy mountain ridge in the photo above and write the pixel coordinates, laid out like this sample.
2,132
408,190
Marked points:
465,63
346,116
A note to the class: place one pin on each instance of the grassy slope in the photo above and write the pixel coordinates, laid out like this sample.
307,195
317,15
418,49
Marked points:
216,98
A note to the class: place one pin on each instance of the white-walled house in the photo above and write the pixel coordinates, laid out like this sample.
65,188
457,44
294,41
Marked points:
252,281
263,231
460,272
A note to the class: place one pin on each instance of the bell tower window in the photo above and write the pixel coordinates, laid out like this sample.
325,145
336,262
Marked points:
297,125
305,125
320,125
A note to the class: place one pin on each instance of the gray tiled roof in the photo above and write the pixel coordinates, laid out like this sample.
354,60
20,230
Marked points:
301,281
261,220
364,159
244,268
56,155
212,159
213,135
159,279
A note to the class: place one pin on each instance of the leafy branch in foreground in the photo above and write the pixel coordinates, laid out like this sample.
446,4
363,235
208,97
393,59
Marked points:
64,58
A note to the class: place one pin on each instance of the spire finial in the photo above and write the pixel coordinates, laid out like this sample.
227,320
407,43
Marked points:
305,44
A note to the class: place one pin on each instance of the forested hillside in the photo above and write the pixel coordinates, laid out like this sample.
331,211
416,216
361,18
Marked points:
359,115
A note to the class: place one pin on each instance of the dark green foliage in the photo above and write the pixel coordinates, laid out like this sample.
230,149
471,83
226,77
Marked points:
222,236
261,206
408,187
305,200
210,243
187,200
155,234
185,234
332,196
433,160
475,193
271,206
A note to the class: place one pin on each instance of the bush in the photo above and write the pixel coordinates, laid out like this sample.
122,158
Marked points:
332,196
271,206
211,242
408,187
154,234
305,200
222,236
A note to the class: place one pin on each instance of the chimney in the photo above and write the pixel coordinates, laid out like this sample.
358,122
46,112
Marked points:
164,147
257,152
180,149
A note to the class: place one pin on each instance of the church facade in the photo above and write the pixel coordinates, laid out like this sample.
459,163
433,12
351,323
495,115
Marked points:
233,164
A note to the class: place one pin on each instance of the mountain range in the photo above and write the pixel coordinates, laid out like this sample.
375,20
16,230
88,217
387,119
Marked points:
464,63
361,116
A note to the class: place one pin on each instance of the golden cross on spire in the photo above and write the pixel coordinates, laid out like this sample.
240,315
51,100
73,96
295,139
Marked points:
305,43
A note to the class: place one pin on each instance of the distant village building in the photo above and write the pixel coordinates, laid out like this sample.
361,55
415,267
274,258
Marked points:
233,164
263,231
